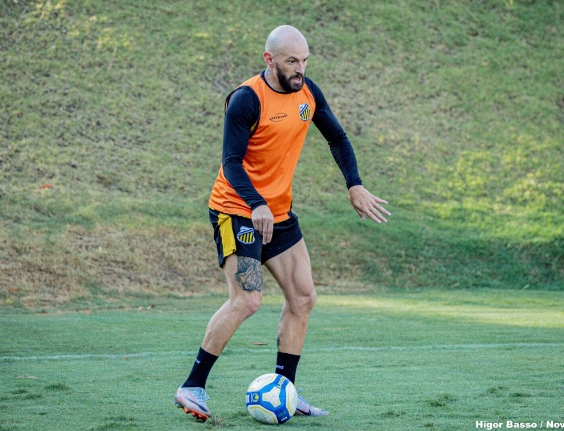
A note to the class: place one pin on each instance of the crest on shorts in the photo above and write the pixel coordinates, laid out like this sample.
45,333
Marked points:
246,235
305,111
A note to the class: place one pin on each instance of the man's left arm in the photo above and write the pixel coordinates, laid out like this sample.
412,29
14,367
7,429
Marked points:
364,202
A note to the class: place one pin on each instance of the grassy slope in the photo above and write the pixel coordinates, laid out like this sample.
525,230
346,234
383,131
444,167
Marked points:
455,110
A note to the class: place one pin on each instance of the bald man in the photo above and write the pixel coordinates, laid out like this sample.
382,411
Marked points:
266,122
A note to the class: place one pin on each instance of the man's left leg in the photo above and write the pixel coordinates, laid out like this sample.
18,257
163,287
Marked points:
292,271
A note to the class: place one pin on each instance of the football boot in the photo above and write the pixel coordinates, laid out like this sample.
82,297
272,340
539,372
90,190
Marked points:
306,409
194,401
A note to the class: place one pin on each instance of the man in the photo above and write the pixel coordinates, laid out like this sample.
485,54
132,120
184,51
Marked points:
266,122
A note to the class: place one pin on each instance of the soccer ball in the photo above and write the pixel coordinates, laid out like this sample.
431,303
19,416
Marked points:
272,399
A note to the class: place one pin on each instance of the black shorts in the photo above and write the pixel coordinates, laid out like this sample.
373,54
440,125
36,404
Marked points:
235,235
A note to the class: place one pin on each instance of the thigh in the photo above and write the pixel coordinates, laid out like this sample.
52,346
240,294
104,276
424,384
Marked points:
244,279
243,273
292,271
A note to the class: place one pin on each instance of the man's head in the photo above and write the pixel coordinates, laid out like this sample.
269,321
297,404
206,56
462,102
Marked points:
286,54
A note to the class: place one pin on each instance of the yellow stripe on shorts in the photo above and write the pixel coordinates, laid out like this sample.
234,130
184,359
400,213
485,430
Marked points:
225,224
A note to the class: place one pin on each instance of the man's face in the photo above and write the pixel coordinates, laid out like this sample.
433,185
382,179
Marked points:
290,67
291,81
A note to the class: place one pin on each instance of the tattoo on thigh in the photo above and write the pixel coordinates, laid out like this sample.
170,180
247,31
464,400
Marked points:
249,274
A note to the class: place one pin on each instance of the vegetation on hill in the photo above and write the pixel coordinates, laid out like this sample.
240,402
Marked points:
111,126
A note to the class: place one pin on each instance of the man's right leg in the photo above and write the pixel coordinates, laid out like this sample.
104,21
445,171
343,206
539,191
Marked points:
244,279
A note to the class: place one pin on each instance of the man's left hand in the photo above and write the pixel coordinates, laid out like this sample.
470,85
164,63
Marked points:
366,204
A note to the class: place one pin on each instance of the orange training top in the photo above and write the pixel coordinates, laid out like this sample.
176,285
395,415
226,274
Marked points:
272,153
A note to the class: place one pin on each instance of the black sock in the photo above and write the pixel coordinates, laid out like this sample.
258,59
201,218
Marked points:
201,370
286,364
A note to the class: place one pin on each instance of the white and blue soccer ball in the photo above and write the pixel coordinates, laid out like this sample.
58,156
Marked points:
272,399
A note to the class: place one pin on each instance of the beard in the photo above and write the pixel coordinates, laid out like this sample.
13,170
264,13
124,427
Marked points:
286,83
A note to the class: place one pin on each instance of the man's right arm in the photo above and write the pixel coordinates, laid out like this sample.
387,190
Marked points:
241,114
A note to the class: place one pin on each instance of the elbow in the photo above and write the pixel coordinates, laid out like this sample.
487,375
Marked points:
338,140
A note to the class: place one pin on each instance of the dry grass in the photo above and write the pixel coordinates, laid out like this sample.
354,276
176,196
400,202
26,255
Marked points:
108,261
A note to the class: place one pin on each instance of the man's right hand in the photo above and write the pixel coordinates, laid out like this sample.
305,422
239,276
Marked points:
263,222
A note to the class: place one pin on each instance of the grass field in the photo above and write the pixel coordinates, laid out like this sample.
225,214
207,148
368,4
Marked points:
426,359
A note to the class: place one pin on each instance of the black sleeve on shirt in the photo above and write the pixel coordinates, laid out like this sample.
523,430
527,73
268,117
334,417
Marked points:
241,114
339,143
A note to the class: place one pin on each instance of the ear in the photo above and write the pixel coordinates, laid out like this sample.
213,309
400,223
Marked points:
268,58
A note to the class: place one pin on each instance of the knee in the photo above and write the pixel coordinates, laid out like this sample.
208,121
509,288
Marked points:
304,302
246,307
253,305
311,299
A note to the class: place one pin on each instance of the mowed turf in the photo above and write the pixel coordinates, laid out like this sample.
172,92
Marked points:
426,359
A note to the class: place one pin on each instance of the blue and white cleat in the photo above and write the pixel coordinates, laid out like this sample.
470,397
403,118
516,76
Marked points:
194,401
306,409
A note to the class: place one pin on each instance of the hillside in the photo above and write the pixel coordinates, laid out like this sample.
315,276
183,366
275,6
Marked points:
111,125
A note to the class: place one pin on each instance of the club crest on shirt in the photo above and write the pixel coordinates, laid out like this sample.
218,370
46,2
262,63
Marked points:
305,111
246,235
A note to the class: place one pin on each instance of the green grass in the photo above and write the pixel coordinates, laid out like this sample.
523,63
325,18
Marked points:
455,110
427,359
